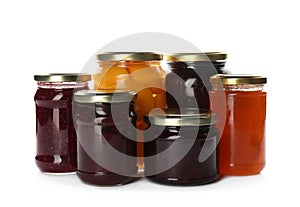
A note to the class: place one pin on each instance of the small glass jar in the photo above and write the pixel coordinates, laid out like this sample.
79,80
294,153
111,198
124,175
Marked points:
243,114
189,144
188,77
55,133
137,71
106,154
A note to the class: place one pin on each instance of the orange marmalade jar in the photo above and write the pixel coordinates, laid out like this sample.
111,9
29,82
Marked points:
139,72
240,102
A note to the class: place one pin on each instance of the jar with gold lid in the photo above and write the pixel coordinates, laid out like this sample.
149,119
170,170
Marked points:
240,102
137,71
105,126
188,76
184,147
55,133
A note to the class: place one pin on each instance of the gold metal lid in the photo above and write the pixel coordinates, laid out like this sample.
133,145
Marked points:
185,117
103,96
129,56
194,57
63,77
238,79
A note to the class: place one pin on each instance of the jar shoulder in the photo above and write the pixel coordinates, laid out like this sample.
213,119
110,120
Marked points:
54,94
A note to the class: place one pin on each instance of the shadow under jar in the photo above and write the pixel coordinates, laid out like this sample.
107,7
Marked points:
188,77
240,103
106,134
186,144
55,133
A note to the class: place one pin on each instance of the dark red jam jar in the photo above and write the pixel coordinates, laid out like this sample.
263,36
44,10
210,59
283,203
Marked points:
187,143
188,77
107,148
55,133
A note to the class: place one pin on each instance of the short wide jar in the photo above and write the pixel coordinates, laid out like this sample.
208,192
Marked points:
240,102
186,142
55,133
106,134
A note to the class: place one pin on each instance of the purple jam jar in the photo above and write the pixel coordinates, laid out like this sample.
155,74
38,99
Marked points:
55,132
185,144
106,136
188,77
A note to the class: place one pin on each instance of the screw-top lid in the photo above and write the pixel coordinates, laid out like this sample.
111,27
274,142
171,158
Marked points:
194,57
185,117
103,96
63,77
230,79
129,56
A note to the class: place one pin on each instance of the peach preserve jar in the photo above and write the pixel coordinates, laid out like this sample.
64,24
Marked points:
137,71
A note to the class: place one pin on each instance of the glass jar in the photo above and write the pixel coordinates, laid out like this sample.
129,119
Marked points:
55,133
137,71
242,144
106,154
187,142
187,80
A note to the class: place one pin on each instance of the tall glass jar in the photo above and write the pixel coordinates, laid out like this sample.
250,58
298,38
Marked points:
185,147
188,77
107,148
242,144
55,133
137,71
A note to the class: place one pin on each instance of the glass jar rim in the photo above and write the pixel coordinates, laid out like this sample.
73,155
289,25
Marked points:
103,96
237,79
63,77
195,57
183,117
129,56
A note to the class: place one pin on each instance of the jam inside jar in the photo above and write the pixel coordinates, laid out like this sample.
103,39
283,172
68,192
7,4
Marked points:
106,155
188,76
242,143
55,133
188,169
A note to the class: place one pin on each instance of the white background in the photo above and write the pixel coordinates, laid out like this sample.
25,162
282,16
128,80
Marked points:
261,37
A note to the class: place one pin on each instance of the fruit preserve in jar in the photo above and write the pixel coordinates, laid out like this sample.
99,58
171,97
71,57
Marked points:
242,143
106,133
188,77
137,71
55,133
185,147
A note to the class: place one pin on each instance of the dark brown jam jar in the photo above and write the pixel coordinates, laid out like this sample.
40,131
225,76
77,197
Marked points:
188,77
106,134
185,150
55,132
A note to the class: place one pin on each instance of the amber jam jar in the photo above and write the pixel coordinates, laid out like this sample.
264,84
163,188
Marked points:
55,133
242,143
188,77
137,71
189,140
106,156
